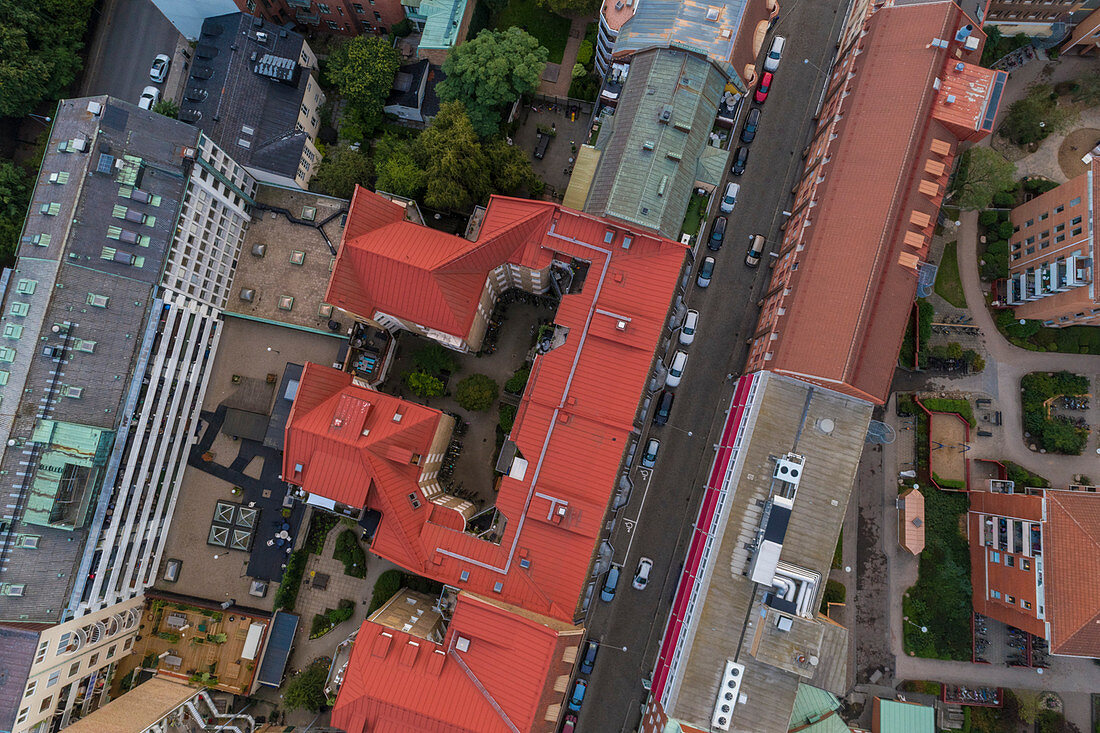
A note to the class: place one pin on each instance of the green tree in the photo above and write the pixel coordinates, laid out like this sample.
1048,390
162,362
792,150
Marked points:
585,53
40,41
396,168
306,690
15,196
983,172
490,72
1088,89
362,69
458,170
341,169
1033,118
510,168
168,108
435,359
476,392
572,7
424,384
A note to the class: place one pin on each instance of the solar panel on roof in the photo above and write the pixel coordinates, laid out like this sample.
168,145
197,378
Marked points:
276,67
106,163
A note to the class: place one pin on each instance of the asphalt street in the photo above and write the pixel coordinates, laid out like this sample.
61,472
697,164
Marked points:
663,504
130,35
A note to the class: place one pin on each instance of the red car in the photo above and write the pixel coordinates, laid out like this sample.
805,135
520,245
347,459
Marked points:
765,86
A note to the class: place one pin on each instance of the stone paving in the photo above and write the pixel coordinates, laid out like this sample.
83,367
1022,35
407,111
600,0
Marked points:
559,86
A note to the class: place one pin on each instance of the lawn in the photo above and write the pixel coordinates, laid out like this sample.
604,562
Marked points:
948,285
551,29
694,217
940,599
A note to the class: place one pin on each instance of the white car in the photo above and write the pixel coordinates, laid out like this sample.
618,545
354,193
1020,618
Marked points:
149,97
729,200
158,72
676,369
687,331
771,61
641,575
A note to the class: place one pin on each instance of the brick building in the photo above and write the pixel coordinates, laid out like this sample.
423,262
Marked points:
903,92
334,16
1034,557
1051,255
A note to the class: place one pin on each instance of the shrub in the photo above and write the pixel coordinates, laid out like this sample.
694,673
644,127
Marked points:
287,594
835,592
585,52
402,28
948,483
1004,200
518,381
306,690
320,524
332,617
424,385
987,218
169,636
507,416
385,587
350,552
476,392
435,360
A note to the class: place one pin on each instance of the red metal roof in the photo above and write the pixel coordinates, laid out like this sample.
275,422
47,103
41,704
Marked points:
399,682
843,286
574,422
1072,537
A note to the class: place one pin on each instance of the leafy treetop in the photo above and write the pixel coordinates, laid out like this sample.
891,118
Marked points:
363,69
40,41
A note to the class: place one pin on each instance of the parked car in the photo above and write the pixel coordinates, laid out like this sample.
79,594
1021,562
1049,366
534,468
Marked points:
748,134
687,331
756,250
607,593
729,199
717,234
764,87
570,724
641,575
706,271
771,61
676,369
740,160
649,457
541,145
577,697
588,661
664,407
158,72
149,97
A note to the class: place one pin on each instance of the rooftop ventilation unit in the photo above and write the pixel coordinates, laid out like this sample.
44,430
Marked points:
950,99
665,115
789,469
769,546
960,66
649,145
78,144
729,695
261,37
462,644
713,13
95,108
964,33
971,43
248,295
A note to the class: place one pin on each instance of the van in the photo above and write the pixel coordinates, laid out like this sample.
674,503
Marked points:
756,249
771,61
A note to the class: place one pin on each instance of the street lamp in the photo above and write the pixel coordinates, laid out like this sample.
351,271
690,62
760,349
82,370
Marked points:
811,63
40,118
923,629
271,349
609,646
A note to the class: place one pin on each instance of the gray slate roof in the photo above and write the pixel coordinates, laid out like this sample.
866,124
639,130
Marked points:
237,97
17,648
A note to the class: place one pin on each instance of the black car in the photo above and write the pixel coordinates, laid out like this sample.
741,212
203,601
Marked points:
664,407
740,160
749,133
588,661
717,234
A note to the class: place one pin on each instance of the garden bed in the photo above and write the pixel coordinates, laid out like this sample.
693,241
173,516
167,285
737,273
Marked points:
349,552
331,618
1055,434
287,594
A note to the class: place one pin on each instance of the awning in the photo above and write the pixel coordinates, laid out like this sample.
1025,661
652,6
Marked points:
321,501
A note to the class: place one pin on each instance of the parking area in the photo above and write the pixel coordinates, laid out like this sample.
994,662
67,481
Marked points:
1000,644
130,34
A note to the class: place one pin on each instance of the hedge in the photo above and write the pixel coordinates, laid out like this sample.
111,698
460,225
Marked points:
320,524
287,594
331,618
959,407
518,381
1023,477
349,552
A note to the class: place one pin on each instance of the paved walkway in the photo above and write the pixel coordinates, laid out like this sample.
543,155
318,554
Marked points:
560,88
1009,363
1073,675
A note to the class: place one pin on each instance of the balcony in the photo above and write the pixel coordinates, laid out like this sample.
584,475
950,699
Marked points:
308,18
300,3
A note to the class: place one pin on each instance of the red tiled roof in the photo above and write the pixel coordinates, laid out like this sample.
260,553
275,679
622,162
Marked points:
574,422
1072,538
398,682
842,322
417,273
325,438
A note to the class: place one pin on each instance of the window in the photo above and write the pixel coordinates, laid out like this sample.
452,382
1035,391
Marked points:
127,644
1030,250
297,257
54,677
45,704
1075,202
22,718
995,556
1076,232
1029,222
1044,216
26,287
93,660
1010,561
323,8
20,309
358,8
1026,604
12,331
1060,238
63,643
1075,220
1030,240
111,651
42,649
995,593
377,15
414,501
1010,599
74,668
7,354
1025,564
31,687
464,576
1059,209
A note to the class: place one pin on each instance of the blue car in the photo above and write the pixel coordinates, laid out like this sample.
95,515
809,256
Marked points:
588,661
578,695
607,593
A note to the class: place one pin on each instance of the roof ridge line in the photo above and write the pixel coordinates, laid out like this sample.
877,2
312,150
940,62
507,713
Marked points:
481,688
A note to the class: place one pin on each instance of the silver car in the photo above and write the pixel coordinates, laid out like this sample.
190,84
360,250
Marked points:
158,72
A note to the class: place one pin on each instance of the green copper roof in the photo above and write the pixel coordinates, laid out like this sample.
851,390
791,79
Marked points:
442,19
905,717
68,471
651,159
812,704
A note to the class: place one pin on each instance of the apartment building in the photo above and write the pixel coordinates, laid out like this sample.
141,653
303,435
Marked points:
1033,555
1033,17
253,90
110,317
853,250
613,14
1052,254
336,16
1085,38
